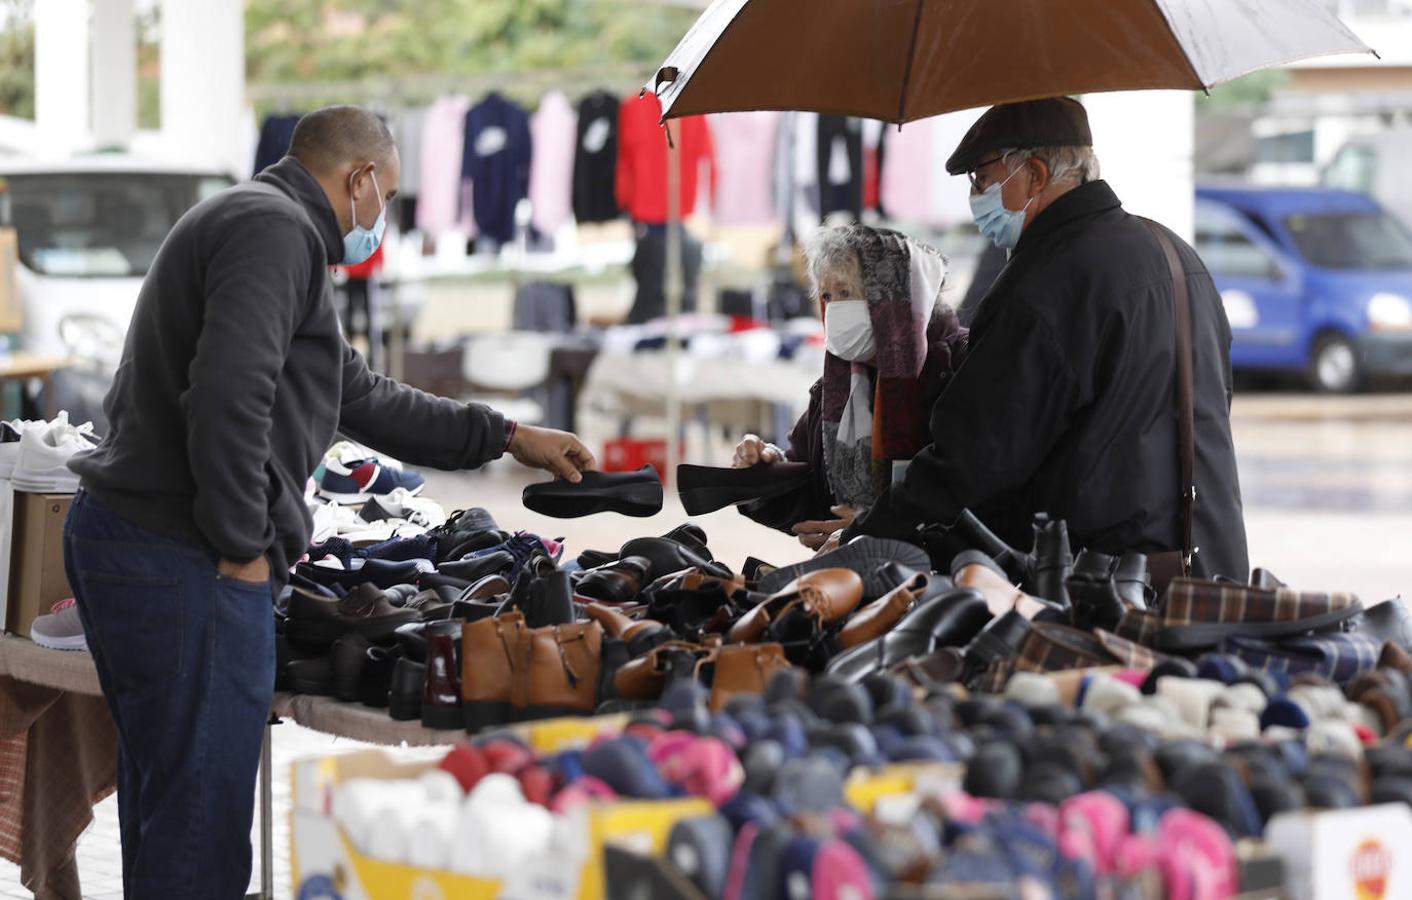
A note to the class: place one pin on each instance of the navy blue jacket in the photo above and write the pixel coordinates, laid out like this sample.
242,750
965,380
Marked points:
496,160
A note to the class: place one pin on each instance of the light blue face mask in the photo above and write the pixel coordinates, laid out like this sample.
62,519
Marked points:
1001,225
360,243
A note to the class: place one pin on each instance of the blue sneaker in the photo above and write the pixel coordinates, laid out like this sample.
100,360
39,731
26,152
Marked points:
355,481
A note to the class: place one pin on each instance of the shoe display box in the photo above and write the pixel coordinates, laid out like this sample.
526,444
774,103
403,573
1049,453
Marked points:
1363,853
36,578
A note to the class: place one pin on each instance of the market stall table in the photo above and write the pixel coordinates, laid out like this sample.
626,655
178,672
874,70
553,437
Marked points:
21,366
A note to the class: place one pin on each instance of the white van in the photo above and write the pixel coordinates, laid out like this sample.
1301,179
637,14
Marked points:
1376,164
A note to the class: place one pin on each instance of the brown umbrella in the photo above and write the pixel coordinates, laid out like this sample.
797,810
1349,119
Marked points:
900,60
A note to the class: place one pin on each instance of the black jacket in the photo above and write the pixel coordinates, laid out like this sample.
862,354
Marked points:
235,376
1065,403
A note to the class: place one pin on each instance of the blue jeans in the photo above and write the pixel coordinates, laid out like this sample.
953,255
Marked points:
186,661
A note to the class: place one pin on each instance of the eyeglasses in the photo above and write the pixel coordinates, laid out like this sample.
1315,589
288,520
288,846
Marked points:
972,175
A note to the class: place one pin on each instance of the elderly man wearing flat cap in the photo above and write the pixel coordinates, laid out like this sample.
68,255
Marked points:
1070,401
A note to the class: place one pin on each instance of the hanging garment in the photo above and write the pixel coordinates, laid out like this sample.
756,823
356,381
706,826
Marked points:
840,160
495,160
641,182
275,133
596,158
408,128
443,130
552,130
745,145
914,186
796,170
649,270
874,141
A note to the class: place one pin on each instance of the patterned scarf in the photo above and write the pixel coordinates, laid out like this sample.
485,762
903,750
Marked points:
876,413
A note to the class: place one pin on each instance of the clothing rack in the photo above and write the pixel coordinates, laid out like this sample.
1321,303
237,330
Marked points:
415,90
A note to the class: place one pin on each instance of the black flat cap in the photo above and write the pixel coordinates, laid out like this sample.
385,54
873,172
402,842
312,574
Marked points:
1059,122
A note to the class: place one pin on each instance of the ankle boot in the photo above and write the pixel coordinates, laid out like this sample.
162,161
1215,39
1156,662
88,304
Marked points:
557,671
647,676
1134,581
640,635
1051,561
1092,593
974,535
441,698
487,669
404,698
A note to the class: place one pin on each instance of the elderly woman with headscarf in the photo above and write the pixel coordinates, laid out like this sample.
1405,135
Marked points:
891,346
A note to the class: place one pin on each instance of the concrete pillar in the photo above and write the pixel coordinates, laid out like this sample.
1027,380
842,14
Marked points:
1145,141
203,81
114,72
61,98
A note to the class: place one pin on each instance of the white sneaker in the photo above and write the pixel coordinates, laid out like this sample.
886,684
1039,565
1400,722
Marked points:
10,434
405,505
61,629
44,456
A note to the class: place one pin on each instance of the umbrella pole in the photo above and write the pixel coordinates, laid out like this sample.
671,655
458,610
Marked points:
673,275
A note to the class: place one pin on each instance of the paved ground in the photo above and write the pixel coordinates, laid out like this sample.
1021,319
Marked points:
1328,493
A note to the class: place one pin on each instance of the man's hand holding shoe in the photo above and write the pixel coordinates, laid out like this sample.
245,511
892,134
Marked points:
558,452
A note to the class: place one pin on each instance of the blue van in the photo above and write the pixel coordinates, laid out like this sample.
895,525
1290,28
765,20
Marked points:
1314,281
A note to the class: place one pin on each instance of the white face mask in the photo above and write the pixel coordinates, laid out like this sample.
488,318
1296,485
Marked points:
848,330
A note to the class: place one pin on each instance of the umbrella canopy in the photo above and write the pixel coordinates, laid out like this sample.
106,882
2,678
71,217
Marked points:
900,60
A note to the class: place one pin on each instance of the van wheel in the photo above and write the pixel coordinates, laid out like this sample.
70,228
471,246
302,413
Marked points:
1334,367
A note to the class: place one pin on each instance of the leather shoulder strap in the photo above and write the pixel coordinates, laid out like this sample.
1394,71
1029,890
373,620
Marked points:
1186,402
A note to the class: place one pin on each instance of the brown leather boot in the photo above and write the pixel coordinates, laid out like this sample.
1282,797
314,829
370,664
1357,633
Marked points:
617,625
822,598
878,617
557,671
645,678
1000,595
488,670
742,669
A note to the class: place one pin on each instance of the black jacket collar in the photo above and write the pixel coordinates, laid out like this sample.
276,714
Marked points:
1084,200
290,176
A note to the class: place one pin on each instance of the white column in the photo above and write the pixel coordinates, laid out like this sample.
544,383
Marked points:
61,99
1145,141
203,81
114,72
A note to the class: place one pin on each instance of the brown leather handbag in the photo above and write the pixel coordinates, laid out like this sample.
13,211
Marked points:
740,669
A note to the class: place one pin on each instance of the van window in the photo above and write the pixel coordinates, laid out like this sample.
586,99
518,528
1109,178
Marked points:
100,224
1352,240
1227,251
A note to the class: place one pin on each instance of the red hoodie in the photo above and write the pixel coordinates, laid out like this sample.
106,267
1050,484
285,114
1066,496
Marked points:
642,159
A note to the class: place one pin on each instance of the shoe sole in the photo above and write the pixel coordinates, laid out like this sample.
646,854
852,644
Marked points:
442,718
638,501
478,715
404,710
864,556
60,642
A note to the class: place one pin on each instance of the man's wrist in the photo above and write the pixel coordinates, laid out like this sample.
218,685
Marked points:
511,427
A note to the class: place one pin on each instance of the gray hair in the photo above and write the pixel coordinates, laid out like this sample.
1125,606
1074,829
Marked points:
826,249
1075,165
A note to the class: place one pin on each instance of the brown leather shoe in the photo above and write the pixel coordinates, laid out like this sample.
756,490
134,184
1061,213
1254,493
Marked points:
1000,595
557,670
487,669
878,617
821,597
645,678
618,625
744,669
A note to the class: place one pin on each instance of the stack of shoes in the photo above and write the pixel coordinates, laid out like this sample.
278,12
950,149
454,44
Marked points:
44,450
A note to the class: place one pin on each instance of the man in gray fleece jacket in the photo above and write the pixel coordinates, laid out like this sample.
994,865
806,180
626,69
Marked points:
234,380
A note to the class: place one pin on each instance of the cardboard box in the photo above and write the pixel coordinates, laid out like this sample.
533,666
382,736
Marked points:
1361,854
11,310
37,579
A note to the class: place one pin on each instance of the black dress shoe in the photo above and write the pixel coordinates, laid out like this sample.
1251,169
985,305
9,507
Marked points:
1092,593
1000,639
404,700
1049,565
1134,581
667,557
617,582
1384,622
545,599
1264,578
312,676
350,652
316,621
629,493
688,535
705,489
412,639
375,682
951,619
473,570
969,533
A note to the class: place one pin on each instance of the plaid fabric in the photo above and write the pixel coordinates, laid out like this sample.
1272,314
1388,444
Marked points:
1190,601
1052,648
994,679
1131,654
1138,626
1337,657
